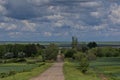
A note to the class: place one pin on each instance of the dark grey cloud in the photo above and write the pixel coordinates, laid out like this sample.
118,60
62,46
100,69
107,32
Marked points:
54,18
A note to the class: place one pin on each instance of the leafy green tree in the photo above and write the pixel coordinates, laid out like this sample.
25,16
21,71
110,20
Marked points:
84,48
70,52
91,56
78,56
30,50
51,52
83,61
92,45
84,64
2,50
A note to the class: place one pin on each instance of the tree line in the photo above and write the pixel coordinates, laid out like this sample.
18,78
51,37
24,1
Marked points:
19,50
9,51
87,52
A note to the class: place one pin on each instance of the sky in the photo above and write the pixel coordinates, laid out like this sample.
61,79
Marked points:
59,20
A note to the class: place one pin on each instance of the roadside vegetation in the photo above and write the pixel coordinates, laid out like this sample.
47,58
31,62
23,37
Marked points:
89,62
72,72
23,61
85,62
26,75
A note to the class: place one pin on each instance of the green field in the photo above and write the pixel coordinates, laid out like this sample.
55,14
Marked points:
18,67
72,73
107,66
30,70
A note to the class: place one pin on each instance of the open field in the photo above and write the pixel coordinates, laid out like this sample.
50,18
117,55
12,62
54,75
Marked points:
107,66
27,74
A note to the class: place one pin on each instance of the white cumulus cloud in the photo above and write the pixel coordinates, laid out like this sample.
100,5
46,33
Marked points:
115,14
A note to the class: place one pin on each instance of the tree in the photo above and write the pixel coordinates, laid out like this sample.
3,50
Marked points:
92,45
70,52
51,52
30,50
78,56
2,50
84,64
83,61
74,42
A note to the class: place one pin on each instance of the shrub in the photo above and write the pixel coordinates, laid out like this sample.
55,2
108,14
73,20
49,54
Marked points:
2,75
69,53
91,56
83,61
12,73
20,60
50,52
78,56
41,64
84,64
31,62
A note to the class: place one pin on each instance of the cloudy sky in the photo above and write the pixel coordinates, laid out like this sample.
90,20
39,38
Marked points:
58,20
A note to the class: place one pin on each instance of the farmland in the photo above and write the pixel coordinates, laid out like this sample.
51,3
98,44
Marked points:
109,67
72,73
4,68
23,71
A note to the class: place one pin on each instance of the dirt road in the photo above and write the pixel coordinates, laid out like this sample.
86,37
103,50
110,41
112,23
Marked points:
53,73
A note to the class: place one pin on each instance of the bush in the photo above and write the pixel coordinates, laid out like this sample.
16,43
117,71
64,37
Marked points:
20,60
3,75
91,56
78,56
12,73
31,62
69,53
84,64
83,61
41,64
51,52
